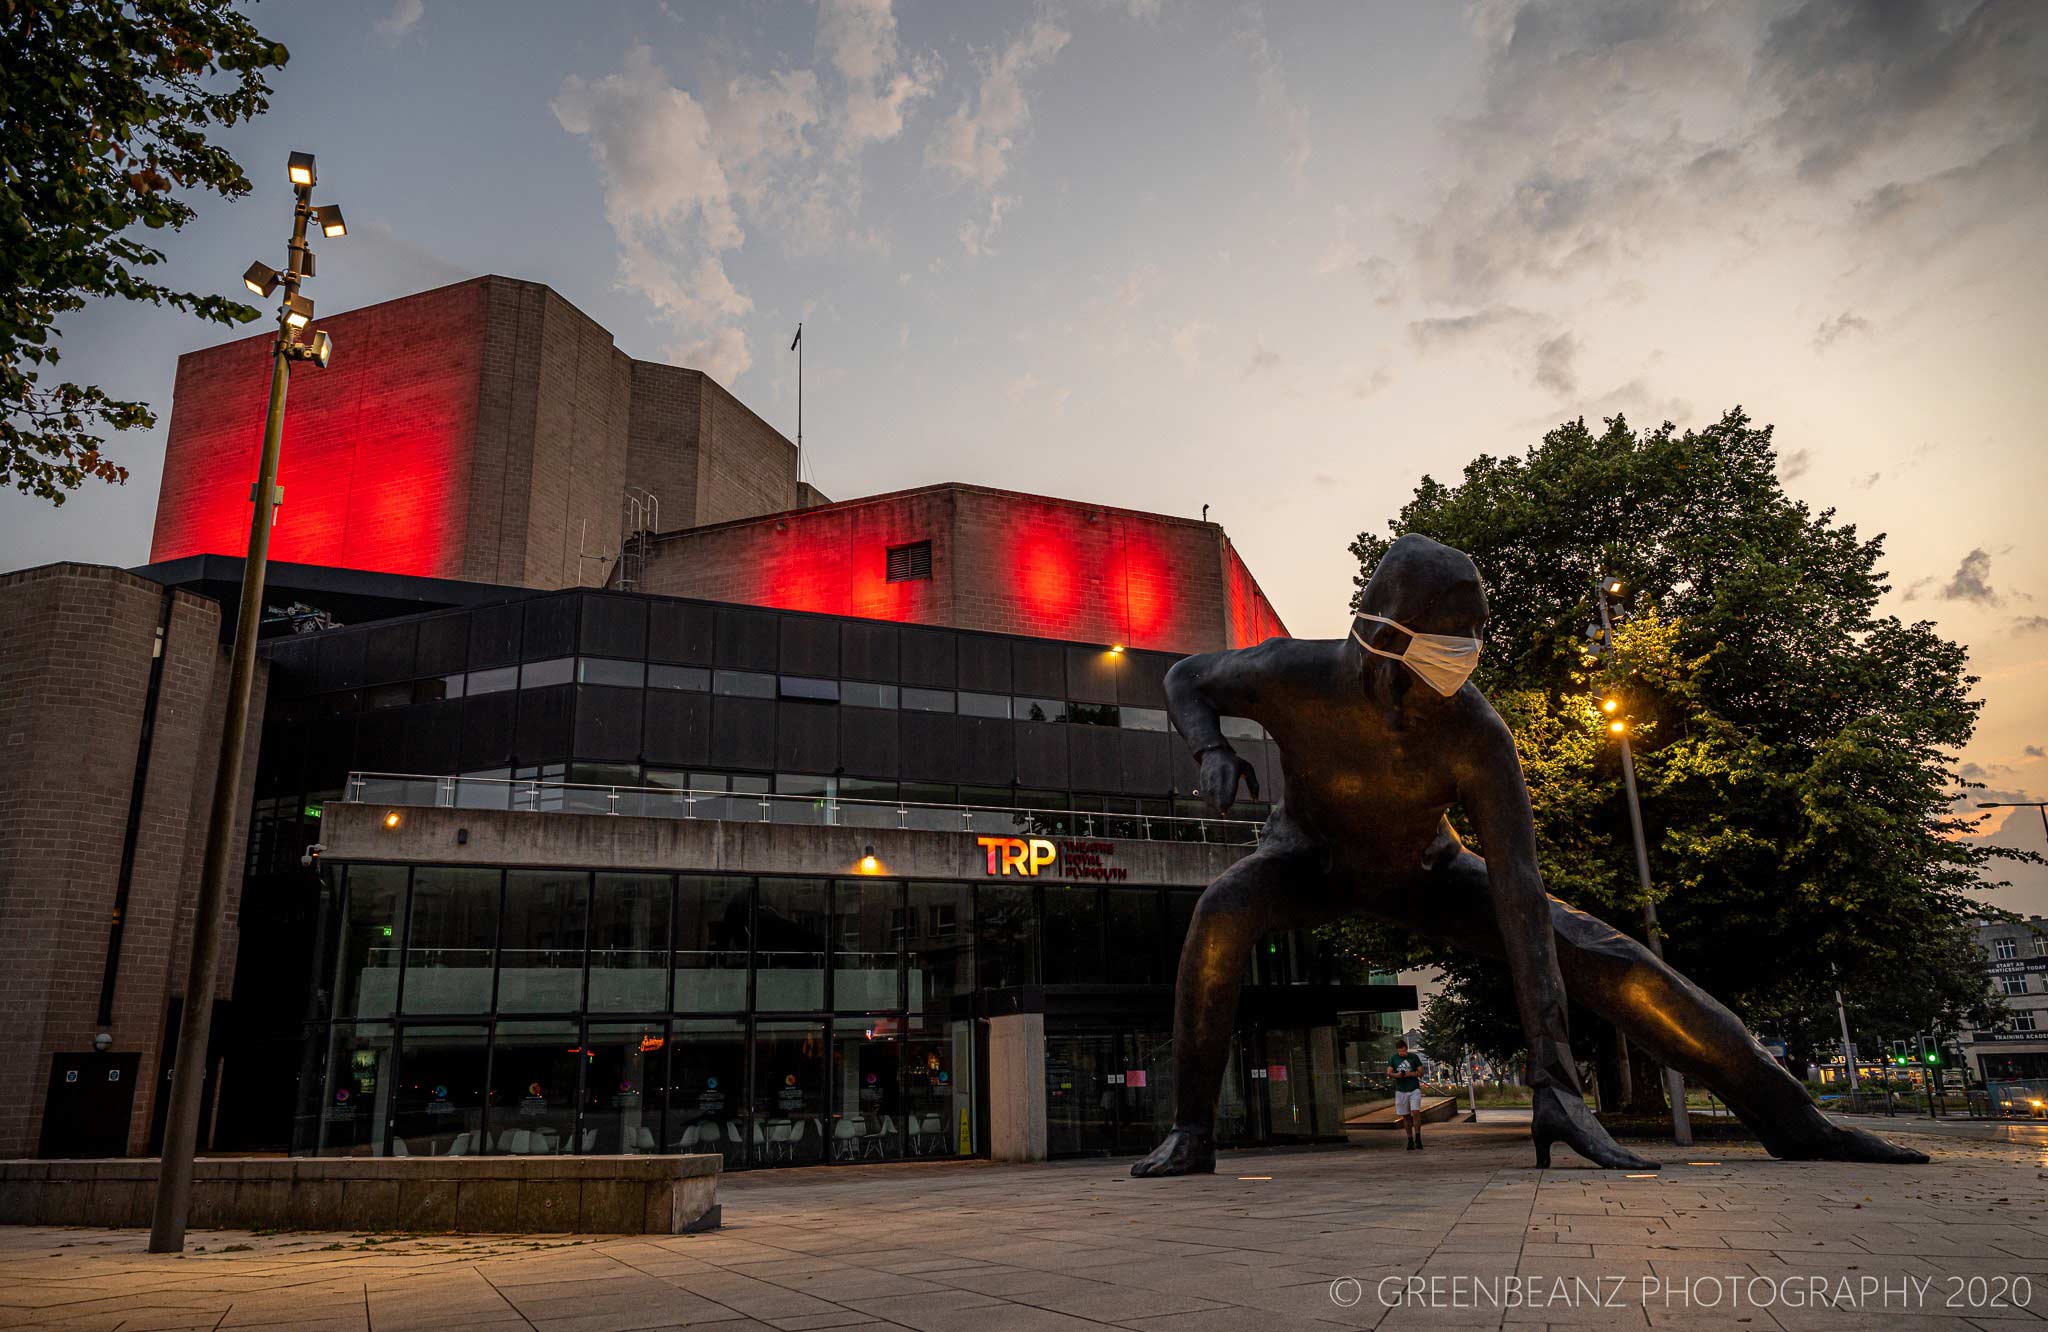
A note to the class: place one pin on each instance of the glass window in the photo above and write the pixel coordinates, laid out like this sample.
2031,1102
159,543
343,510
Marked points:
554,671
494,681
388,695
2005,949
606,671
984,705
2022,1022
540,951
2012,984
789,1091
625,1082
694,678
938,1089
1093,714
811,799
435,688
366,969
449,943
861,694
821,691
707,1102
938,936
348,1106
867,1086
1073,936
1240,728
438,1107
1006,936
789,945
534,1071
1143,719
1134,937
629,943
926,700
1039,709
712,936
867,916
489,789
1046,813
743,684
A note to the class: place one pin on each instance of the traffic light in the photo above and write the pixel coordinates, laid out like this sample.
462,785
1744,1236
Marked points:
1899,1053
1930,1051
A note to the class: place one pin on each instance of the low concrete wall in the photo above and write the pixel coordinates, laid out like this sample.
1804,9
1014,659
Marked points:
613,1195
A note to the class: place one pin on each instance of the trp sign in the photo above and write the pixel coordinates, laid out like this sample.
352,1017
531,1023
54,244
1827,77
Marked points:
1018,855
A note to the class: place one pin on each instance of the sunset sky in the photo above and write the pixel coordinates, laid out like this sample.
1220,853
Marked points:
1279,260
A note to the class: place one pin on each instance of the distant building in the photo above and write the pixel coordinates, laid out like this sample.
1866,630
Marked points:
2017,958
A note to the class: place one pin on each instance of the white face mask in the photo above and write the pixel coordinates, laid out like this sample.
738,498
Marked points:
1444,661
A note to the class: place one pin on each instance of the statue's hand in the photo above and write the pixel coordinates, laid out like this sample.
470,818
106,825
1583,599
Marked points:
1222,770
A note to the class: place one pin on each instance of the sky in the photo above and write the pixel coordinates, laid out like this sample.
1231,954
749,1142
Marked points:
1279,260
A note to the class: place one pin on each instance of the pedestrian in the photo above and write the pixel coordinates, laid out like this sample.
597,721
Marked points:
1406,1069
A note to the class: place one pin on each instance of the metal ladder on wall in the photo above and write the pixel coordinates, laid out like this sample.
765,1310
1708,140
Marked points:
640,519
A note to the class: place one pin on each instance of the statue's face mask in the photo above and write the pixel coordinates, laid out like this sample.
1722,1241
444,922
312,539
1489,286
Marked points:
1444,661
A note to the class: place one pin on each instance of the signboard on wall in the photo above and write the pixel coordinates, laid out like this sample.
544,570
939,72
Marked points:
1030,857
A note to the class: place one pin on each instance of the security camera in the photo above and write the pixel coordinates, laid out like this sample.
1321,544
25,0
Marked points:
312,854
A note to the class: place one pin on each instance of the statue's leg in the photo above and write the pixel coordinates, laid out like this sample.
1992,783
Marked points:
1272,889
1682,1025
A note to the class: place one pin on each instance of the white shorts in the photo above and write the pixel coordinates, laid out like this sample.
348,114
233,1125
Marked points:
1408,1103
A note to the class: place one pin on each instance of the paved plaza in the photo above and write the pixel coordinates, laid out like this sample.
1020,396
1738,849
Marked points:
1465,1234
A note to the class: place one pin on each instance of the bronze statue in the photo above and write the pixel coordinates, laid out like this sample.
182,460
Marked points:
1372,764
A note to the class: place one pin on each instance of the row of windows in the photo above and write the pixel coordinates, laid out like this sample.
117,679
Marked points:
2006,947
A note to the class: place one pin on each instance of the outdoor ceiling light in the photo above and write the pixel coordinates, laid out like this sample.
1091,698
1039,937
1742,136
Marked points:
300,168
261,278
298,310
1609,705
329,218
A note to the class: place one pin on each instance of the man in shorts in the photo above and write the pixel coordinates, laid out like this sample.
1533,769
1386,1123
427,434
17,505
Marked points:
1406,1071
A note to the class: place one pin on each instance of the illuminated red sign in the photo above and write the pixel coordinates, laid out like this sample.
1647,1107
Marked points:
1017,855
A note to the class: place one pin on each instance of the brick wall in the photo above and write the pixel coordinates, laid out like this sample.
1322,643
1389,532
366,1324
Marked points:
75,650
745,467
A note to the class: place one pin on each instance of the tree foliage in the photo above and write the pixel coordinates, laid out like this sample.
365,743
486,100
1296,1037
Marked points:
105,112
1795,749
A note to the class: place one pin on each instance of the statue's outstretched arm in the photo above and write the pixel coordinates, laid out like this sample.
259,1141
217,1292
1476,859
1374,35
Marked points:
1201,689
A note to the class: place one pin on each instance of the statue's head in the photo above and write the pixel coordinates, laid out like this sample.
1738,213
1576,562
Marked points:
1422,615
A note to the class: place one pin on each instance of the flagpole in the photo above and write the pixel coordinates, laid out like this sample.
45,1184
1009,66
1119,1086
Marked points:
798,343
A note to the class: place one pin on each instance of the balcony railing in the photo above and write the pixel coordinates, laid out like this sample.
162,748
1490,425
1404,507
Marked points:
669,802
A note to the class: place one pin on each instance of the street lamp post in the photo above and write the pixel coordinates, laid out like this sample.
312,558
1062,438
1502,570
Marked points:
188,1074
1674,1081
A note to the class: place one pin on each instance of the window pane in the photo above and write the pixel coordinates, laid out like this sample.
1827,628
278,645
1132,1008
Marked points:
439,1105
823,691
938,1089
1134,937
606,671
629,943
789,945
366,970
867,1083
984,705
534,1067
348,1106
866,915
435,688
812,803
1240,728
927,700
860,694
1006,936
939,937
678,677
538,674
707,1100
789,1091
489,789
743,684
1093,714
540,954
1143,719
625,1082
494,681
448,947
1073,936
712,934
1040,709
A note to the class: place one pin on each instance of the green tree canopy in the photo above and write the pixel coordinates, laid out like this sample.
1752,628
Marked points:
105,111
1796,749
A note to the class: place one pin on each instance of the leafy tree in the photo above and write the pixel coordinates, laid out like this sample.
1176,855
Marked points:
1795,749
105,109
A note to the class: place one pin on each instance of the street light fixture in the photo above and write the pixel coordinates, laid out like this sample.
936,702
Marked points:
2038,806
188,1071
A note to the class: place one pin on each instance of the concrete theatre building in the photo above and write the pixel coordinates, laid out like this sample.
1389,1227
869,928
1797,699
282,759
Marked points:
795,830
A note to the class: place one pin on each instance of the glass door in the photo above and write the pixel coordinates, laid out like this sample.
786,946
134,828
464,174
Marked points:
1082,1103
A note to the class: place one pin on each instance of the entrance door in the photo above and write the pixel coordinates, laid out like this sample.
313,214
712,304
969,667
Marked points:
1083,1088
86,1111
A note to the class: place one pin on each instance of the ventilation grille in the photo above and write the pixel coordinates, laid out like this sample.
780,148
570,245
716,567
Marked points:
910,563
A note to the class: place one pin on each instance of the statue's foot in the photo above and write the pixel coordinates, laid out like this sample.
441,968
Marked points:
1182,1152
1836,1143
1562,1117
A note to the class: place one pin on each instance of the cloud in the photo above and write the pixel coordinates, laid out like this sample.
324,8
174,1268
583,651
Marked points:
1833,330
1263,358
1554,358
974,143
2035,751
1866,481
722,353
1794,463
1279,107
1971,581
2030,624
403,18
975,236
858,38
1437,332
1186,342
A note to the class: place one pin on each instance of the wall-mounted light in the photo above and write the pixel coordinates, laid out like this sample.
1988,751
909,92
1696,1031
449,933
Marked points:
1116,649
868,863
392,818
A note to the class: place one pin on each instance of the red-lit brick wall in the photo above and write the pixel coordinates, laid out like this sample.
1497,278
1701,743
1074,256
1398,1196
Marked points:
1005,562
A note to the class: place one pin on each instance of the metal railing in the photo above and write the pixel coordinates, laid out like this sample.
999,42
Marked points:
533,795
